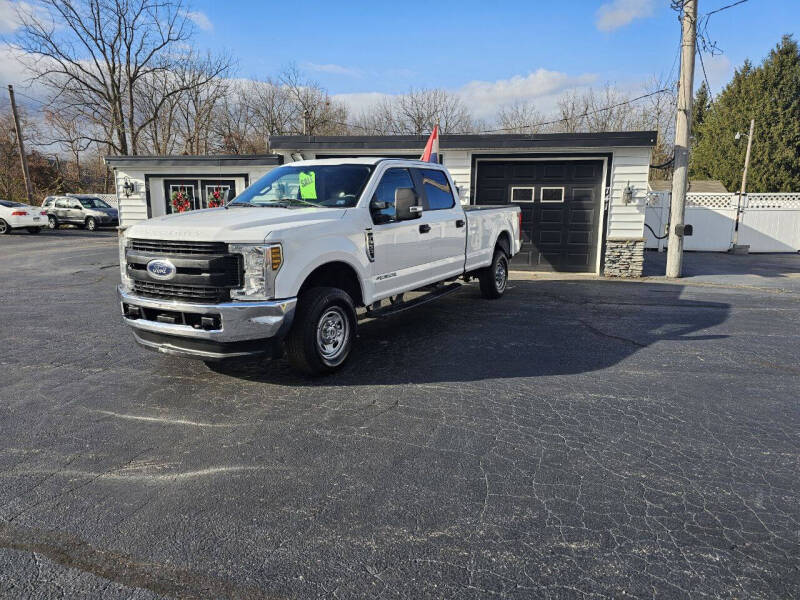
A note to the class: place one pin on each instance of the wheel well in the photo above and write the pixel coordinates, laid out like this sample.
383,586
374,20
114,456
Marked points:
335,274
504,241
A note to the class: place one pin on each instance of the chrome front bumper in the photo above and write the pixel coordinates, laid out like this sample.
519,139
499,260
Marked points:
239,322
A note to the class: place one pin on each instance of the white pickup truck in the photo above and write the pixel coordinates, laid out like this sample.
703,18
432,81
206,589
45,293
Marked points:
287,264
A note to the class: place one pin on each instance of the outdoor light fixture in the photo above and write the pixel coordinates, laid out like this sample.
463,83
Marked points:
128,188
627,193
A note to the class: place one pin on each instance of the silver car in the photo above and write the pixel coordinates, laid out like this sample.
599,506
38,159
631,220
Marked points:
83,210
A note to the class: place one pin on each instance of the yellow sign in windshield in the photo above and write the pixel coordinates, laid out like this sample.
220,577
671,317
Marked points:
308,185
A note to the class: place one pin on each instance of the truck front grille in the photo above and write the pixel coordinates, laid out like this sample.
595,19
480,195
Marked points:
185,293
172,247
205,272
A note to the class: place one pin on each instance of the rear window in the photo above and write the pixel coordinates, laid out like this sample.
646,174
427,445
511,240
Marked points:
437,189
10,204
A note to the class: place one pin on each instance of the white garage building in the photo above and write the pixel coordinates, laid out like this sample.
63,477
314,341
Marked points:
582,195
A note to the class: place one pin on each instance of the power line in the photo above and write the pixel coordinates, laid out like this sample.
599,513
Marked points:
586,114
42,102
705,76
708,14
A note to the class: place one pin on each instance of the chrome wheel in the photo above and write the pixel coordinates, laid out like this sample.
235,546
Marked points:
333,331
91,224
52,223
501,275
4,228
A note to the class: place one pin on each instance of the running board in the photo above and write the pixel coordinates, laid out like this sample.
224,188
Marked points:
393,309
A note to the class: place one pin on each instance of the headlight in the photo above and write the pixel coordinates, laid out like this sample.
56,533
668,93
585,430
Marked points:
127,282
261,264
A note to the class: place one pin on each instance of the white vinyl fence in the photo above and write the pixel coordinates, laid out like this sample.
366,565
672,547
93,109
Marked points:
767,222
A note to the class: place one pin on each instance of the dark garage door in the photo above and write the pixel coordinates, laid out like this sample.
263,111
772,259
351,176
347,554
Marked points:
561,203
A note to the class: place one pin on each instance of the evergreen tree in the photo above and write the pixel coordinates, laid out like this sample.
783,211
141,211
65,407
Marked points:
770,94
700,108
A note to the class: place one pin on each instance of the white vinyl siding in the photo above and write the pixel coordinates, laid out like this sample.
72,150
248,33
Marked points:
630,166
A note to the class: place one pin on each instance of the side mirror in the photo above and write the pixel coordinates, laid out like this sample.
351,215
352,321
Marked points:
78,207
405,204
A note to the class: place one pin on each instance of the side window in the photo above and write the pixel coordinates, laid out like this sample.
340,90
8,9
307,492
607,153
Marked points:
47,202
383,199
437,190
62,203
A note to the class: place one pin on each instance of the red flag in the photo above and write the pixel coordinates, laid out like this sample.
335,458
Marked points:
431,153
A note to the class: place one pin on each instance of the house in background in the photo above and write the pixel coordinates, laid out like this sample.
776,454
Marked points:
582,195
145,185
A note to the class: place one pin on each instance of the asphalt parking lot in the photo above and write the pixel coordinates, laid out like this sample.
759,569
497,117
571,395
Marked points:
579,438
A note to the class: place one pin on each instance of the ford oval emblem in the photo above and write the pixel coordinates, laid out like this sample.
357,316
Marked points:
161,269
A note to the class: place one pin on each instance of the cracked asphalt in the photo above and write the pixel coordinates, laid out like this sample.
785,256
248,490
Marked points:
579,438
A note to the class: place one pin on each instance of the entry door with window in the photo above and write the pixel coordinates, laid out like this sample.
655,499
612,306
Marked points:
401,248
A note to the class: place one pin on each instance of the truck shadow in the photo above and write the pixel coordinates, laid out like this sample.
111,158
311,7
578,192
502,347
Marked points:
538,328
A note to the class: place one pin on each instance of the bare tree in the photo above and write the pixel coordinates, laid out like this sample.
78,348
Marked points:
96,55
313,112
68,133
520,117
417,112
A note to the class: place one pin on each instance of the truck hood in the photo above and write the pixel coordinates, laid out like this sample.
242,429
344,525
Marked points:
230,225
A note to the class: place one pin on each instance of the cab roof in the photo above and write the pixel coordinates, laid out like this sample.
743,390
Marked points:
361,160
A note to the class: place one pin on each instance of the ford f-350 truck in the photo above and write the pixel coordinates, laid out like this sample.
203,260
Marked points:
293,261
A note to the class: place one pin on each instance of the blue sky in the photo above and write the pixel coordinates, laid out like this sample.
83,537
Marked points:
356,48
490,53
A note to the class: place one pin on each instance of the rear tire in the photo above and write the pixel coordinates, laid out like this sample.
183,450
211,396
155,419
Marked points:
91,224
323,331
4,228
52,222
34,229
494,278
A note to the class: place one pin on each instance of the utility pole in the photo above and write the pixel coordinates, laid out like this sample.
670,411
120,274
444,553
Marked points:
743,189
21,147
683,123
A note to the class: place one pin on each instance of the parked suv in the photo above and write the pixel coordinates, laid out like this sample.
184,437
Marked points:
82,210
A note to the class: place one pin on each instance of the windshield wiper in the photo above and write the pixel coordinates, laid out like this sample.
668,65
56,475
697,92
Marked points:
301,201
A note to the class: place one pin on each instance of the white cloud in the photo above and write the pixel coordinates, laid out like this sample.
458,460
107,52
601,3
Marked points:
360,101
200,19
13,71
9,17
540,87
484,98
619,13
719,70
331,69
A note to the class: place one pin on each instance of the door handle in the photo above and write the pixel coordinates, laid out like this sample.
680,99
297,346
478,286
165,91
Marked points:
460,223
425,228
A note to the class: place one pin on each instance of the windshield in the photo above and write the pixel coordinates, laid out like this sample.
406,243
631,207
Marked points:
334,186
93,203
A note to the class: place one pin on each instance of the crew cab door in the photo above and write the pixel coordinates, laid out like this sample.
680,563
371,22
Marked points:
401,248
447,237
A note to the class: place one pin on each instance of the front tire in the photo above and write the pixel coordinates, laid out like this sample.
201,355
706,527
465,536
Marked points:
494,278
323,331
34,229
52,222
91,224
